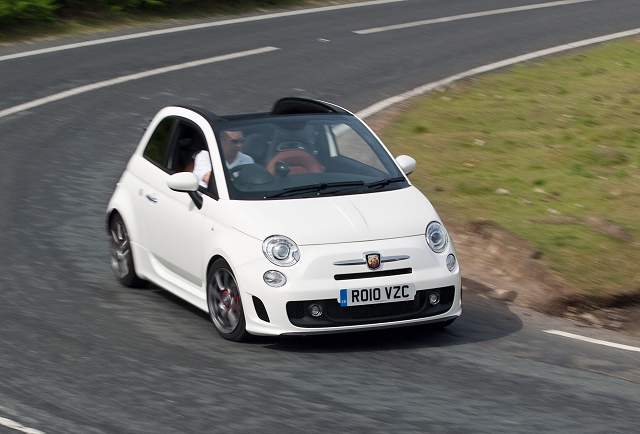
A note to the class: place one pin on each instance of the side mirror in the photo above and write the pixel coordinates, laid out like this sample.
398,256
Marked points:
183,181
186,182
406,163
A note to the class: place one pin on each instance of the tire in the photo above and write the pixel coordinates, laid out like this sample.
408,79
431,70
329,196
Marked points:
225,303
120,254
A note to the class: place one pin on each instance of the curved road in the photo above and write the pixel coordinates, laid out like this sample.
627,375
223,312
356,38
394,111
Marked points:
81,354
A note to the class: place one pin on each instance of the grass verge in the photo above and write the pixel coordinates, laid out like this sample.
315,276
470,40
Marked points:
550,151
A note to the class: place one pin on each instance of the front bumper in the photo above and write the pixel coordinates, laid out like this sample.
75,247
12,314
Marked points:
316,279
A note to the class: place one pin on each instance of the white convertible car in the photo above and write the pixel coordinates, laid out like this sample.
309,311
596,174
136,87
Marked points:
295,221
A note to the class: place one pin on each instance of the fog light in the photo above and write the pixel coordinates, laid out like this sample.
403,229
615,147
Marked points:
451,262
315,310
434,298
274,278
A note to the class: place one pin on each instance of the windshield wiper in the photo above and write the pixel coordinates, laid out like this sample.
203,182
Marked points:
385,182
315,188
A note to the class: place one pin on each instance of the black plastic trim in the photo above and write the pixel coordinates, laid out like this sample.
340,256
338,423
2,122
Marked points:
261,310
296,106
209,116
366,275
335,315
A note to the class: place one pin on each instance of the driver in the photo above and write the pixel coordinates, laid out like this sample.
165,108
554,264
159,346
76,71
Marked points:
231,143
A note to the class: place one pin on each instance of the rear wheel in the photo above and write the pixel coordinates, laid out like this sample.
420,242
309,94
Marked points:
120,254
225,303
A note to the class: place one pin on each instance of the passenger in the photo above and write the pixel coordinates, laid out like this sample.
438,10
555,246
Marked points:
202,168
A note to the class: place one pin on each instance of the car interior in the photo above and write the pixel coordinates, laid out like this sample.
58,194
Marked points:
299,143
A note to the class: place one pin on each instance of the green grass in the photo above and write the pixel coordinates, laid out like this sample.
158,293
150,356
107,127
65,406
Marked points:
563,136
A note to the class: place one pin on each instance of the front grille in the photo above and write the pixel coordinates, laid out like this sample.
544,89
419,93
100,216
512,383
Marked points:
335,315
447,294
295,309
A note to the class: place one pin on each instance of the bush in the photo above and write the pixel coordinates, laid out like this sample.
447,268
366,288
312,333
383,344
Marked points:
21,16
23,11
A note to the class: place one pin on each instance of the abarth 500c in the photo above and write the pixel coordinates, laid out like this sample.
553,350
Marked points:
293,221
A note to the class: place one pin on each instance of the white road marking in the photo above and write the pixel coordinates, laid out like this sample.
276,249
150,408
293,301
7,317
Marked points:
125,78
593,341
467,16
386,103
18,427
371,110
196,27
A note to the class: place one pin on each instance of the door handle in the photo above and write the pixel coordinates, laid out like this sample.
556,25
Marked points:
151,198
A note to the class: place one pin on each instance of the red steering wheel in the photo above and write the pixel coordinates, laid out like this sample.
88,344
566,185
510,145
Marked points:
299,161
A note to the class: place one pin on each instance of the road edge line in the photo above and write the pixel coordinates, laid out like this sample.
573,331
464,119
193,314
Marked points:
593,341
470,15
386,103
18,427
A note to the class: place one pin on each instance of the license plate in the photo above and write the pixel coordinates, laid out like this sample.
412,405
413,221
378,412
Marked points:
377,294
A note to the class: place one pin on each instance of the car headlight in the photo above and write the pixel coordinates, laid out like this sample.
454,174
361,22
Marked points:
437,237
281,250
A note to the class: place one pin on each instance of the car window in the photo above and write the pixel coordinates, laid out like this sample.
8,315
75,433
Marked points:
308,156
156,149
189,142
351,145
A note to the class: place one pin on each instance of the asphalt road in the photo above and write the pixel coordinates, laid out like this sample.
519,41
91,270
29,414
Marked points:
81,354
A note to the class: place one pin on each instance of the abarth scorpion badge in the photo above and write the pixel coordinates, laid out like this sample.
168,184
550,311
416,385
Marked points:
373,260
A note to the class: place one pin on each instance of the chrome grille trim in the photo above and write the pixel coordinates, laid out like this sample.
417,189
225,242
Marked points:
382,259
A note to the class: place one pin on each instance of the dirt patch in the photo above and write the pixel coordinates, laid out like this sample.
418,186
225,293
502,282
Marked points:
595,223
505,263
500,265
608,227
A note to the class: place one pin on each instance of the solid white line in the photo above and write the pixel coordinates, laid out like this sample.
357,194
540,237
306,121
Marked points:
386,103
593,341
125,78
196,27
469,15
15,425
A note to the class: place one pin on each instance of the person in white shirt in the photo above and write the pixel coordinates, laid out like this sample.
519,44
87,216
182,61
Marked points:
231,143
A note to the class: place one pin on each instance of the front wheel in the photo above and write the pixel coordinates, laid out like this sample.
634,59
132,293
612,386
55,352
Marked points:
120,253
225,303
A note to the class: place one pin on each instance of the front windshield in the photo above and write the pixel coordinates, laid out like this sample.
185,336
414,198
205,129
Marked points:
304,156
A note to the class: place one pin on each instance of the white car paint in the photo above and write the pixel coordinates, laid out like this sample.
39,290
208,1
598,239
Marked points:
341,219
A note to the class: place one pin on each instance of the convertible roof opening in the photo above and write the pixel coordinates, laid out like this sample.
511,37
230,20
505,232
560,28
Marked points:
282,107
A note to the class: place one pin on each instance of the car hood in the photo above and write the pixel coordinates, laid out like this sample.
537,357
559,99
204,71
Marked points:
336,219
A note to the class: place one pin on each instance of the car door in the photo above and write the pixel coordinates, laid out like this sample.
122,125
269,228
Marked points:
172,221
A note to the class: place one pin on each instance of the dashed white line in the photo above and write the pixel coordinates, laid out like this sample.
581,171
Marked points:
196,27
386,103
468,16
593,341
18,427
125,78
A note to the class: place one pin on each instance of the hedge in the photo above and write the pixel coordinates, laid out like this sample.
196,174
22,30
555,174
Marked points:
17,12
